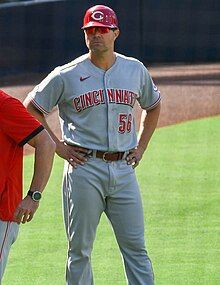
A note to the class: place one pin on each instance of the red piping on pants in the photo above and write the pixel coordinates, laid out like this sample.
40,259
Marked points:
6,232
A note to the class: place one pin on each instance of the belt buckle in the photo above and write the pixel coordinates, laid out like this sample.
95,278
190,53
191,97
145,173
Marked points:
103,157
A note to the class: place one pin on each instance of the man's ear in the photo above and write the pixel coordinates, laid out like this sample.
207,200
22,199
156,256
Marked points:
116,32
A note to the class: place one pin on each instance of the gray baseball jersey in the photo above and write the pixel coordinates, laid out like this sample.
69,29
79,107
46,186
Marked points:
79,86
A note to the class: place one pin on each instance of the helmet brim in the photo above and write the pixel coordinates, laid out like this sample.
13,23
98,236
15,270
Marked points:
97,24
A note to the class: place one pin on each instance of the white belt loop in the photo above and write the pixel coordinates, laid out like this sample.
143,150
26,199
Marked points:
125,154
94,153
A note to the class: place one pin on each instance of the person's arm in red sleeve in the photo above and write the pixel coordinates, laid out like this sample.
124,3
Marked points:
44,153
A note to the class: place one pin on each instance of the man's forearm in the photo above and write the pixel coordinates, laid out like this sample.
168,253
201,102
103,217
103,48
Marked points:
40,117
147,127
44,153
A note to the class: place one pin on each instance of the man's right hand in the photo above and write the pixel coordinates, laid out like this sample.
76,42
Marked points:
73,154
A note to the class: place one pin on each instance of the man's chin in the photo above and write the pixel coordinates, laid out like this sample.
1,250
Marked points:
98,49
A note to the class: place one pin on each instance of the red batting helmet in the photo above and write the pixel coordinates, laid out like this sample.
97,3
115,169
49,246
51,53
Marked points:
100,16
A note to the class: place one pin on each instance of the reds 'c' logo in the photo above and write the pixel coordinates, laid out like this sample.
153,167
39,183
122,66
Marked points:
97,16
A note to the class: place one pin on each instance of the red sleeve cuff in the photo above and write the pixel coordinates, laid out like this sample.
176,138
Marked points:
30,136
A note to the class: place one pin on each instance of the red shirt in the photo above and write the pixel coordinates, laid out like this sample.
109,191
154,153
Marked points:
17,127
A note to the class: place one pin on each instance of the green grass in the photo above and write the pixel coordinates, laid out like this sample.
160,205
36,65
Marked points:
180,184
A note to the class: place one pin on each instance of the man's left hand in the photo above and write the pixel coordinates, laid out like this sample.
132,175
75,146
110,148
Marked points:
134,156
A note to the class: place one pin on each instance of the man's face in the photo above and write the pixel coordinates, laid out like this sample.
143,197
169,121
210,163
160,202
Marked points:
100,39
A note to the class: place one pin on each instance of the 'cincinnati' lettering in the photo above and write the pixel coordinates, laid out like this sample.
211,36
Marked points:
96,97
87,100
120,96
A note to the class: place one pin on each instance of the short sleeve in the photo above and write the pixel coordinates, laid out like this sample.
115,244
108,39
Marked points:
16,122
149,95
48,93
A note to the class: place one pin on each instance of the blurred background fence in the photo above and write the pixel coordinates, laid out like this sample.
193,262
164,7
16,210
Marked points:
36,36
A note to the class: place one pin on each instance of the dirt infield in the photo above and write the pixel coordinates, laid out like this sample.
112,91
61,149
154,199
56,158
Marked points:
188,92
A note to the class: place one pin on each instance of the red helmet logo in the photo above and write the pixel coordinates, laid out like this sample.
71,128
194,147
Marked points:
100,16
97,16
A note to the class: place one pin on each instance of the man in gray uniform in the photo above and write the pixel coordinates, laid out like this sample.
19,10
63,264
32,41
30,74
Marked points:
95,95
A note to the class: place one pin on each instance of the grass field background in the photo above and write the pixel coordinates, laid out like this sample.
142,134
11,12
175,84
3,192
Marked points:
180,184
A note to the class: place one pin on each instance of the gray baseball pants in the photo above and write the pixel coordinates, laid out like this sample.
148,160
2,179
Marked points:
8,235
90,190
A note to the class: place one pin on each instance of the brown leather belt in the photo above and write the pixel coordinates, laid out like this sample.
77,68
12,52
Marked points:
105,155
109,156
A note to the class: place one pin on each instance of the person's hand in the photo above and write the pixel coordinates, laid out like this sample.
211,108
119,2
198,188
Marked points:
25,210
135,156
73,154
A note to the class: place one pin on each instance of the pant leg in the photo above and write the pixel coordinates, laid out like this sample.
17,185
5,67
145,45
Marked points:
83,204
8,235
124,210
